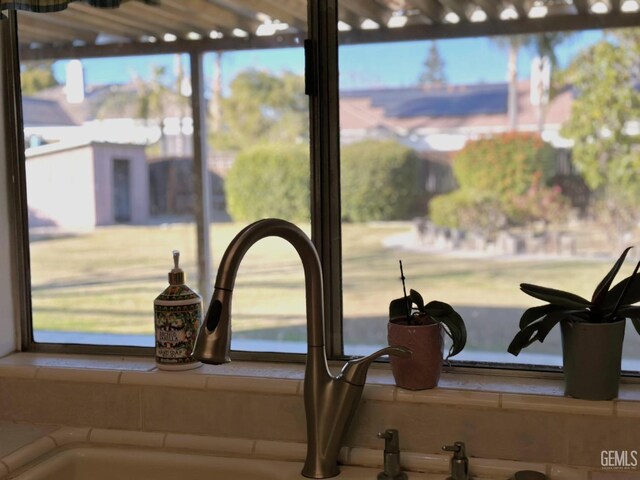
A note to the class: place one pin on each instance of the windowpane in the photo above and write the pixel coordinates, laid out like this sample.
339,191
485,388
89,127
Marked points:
109,163
478,183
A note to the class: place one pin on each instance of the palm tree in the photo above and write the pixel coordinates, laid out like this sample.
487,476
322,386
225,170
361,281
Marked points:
543,45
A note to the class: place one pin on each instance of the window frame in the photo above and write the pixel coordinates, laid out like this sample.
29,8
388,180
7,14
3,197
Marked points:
321,52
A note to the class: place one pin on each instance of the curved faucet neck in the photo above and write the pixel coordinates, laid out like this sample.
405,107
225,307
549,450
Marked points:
311,263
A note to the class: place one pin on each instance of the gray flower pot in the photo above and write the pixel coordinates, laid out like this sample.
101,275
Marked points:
592,355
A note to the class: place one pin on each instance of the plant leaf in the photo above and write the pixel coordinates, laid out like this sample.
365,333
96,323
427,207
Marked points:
417,299
523,338
399,307
600,293
555,297
550,321
452,323
629,312
632,296
534,313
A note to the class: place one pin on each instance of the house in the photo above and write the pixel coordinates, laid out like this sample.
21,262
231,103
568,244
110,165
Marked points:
81,185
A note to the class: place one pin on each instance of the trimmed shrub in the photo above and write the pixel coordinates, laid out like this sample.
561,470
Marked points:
269,180
505,165
474,211
380,181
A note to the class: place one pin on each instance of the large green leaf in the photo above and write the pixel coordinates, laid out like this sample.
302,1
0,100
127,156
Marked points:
555,297
629,311
400,307
523,338
452,322
600,293
632,296
417,299
550,321
534,313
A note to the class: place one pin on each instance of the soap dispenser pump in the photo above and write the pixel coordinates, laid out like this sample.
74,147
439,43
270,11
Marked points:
178,315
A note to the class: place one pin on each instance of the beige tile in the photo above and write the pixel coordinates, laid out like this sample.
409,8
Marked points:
14,435
593,434
450,397
106,362
615,475
223,413
281,450
424,462
71,403
158,378
379,392
552,404
253,384
488,433
18,371
366,457
627,409
501,468
66,435
77,375
127,437
28,453
563,472
239,446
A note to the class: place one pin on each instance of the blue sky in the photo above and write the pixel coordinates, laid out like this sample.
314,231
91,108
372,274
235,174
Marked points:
471,60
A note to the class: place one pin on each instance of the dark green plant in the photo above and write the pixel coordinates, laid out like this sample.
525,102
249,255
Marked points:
412,310
270,180
607,305
380,181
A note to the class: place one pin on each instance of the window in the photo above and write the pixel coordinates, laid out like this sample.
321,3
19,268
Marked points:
422,89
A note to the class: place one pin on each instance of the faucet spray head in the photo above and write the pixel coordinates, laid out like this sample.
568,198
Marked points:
213,343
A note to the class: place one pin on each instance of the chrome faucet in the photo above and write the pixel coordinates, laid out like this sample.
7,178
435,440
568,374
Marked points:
329,401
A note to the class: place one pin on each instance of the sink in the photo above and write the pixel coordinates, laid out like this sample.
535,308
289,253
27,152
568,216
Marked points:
109,463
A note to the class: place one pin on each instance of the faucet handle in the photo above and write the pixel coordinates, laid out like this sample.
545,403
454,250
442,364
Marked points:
457,448
391,440
355,371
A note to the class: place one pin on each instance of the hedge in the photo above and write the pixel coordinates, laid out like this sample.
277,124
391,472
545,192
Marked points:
380,181
269,180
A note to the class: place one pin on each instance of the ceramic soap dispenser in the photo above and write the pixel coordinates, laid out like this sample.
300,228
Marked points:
178,315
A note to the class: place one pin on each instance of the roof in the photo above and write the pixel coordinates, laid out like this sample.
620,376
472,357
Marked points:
39,112
445,108
182,25
437,101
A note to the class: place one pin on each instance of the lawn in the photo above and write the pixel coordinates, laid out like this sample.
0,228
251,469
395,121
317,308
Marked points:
106,281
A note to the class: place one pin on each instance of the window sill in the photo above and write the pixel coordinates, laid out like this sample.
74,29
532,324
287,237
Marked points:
489,389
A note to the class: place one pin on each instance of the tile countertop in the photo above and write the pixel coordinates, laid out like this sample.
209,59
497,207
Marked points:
488,389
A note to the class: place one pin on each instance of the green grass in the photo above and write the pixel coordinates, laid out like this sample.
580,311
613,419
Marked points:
106,281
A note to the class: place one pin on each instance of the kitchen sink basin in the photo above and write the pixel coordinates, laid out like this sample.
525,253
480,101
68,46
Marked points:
109,463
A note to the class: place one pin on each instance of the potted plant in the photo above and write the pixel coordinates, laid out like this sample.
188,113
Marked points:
420,327
592,331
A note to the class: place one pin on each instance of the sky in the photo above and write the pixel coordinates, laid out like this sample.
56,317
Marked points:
467,61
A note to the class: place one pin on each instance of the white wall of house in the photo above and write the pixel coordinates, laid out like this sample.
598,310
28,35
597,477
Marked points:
60,188
8,321
72,188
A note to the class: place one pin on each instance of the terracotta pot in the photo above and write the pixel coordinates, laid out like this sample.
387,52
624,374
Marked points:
422,370
592,354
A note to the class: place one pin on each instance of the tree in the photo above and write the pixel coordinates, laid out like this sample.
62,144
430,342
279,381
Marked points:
263,107
606,150
543,45
434,67
37,76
